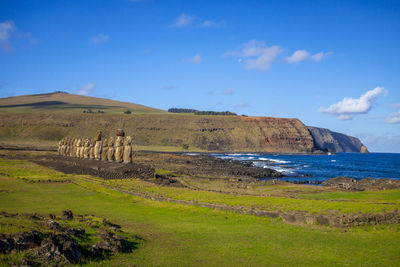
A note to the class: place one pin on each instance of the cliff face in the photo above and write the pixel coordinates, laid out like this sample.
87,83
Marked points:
207,133
335,142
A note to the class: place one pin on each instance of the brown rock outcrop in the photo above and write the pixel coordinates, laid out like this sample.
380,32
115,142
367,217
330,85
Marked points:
364,150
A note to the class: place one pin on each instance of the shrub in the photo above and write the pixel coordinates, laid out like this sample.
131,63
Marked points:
185,146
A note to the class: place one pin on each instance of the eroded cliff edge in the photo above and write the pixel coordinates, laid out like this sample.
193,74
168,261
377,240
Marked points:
328,140
199,133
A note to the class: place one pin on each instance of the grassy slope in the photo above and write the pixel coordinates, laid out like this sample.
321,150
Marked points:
68,103
177,235
41,120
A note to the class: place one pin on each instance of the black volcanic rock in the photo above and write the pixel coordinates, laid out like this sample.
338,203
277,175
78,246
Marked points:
362,184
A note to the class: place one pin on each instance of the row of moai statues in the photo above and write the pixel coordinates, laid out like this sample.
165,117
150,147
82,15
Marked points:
98,149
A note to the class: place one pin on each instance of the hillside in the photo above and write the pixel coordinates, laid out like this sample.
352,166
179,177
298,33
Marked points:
68,103
335,142
39,121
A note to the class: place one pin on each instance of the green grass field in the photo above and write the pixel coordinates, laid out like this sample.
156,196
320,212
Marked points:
184,235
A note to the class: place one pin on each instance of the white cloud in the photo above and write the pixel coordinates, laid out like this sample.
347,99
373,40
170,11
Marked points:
211,24
298,56
196,59
395,116
183,20
100,38
6,28
229,91
321,55
301,55
256,55
86,89
349,107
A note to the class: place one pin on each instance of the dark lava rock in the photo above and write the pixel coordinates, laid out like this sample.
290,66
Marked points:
6,243
52,225
67,214
19,241
60,247
77,232
111,241
26,240
362,184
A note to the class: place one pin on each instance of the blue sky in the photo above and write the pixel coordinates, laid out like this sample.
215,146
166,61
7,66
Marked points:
332,64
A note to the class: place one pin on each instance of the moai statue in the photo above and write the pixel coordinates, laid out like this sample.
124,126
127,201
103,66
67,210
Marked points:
78,148
110,152
86,150
82,148
128,149
73,152
64,146
91,150
119,149
71,147
98,146
59,147
104,150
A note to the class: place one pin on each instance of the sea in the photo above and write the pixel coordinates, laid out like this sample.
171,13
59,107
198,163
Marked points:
314,169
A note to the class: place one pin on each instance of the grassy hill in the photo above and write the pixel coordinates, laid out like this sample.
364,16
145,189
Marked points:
41,120
61,102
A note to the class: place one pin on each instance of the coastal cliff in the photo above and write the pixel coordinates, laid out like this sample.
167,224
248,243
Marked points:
326,139
201,133
42,120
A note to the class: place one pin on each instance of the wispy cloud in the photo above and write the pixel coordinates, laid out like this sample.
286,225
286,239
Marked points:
301,55
383,143
256,55
349,107
395,116
6,29
197,59
183,20
241,105
229,91
86,89
99,38
211,24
